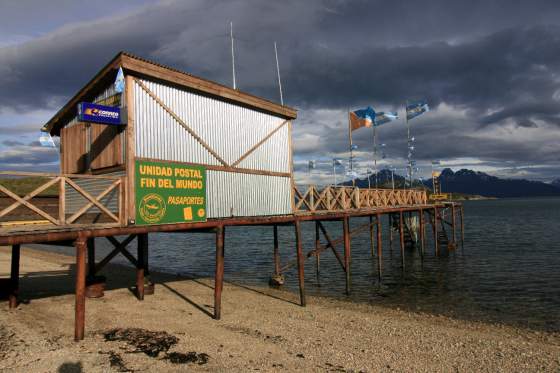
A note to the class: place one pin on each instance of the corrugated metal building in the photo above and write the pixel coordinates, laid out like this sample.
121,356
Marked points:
243,141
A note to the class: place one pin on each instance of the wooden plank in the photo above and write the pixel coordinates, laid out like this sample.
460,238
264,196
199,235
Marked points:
221,168
48,174
62,200
75,154
130,204
28,205
43,187
182,123
106,146
257,145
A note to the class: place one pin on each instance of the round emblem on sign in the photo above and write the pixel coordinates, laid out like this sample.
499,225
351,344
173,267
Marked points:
201,212
152,208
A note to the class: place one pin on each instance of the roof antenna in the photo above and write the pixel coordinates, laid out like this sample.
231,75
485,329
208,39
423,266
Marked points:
278,71
232,54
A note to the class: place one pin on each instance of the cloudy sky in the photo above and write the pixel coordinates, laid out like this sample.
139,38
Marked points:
489,70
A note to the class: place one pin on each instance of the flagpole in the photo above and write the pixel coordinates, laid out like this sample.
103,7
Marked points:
375,154
351,151
407,145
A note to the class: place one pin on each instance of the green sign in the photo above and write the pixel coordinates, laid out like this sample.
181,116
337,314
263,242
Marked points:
169,193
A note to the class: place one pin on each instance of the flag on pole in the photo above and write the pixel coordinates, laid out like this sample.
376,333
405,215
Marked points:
415,109
354,147
337,162
46,140
362,118
119,81
382,118
311,165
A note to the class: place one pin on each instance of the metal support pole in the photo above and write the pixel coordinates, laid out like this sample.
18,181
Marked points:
371,238
219,276
141,267
317,254
14,277
435,229
422,231
276,252
379,248
80,307
346,234
300,263
401,234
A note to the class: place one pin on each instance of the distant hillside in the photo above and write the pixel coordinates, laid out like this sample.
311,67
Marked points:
383,181
480,183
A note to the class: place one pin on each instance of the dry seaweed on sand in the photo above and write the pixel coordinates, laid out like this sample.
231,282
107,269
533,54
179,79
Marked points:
148,342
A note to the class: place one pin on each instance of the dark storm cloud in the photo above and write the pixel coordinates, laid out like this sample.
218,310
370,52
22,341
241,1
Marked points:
496,62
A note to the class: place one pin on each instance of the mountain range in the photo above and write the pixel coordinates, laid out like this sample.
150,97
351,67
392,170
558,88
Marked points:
474,183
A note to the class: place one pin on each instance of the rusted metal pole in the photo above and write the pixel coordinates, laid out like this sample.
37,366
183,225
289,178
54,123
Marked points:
140,268
14,277
422,231
347,258
80,307
462,228
379,247
435,229
317,254
300,263
276,252
219,276
371,238
401,233
91,257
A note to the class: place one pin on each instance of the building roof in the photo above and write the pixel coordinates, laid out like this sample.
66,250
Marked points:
136,66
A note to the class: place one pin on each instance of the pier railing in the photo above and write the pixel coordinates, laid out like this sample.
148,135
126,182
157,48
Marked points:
61,199
333,198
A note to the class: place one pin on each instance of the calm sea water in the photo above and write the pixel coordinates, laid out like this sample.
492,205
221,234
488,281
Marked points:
508,270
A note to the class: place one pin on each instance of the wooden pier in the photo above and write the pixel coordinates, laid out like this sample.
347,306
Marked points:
313,205
183,154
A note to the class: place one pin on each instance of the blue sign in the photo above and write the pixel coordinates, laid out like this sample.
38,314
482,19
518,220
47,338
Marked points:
88,112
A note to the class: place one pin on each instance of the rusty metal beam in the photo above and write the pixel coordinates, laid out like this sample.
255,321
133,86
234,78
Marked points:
219,276
300,263
80,306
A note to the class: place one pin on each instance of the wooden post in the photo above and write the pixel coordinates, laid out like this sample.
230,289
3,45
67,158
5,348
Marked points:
346,234
422,231
141,267
462,228
300,263
80,307
371,239
276,252
435,229
317,254
219,277
14,277
401,234
62,201
379,248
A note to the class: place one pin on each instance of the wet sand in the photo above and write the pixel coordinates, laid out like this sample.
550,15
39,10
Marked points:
261,329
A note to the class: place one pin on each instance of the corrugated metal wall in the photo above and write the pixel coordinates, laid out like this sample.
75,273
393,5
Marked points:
75,201
228,129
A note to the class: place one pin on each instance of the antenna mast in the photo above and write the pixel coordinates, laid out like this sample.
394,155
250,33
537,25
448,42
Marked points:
232,54
278,72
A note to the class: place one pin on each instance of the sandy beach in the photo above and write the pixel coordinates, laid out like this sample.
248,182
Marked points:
261,329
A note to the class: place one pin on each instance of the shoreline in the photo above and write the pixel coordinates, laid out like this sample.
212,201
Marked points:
261,328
